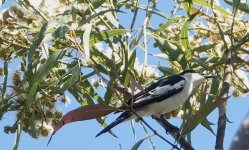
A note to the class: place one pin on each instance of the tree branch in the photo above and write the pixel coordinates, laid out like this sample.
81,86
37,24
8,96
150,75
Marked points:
173,131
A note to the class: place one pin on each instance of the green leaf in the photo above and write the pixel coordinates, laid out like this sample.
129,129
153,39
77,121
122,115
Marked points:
103,35
87,20
18,135
200,115
31,94
184,38
188,4
207,4
167,24
60,32
46,34
75,71
136,146
47,65
207,124
4,109
166,70
204,48
199,62
41,72
126,76
174,53
213,90
5,79
242,7
87,87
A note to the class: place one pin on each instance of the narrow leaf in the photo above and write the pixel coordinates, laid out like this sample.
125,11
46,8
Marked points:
84,21
242,7
75,71
167,24
18,135
103,35
136,146
60,32
207,124
5,78
84,113
194,120
207,4
188,4
184,38
204,48
42,70
86,39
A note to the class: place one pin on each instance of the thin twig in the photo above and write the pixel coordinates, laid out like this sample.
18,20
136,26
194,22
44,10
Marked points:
153,130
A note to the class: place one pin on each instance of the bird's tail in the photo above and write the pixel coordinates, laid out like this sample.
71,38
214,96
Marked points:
120,119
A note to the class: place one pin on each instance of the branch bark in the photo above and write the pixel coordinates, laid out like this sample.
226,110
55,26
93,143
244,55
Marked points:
173,131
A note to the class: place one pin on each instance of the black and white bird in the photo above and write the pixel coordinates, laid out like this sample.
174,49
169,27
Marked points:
161,97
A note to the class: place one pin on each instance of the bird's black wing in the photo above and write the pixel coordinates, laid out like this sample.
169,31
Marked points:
159,91
120,119
156,92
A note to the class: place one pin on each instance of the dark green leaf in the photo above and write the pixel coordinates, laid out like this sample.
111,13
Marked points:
207,124
166,70
47,65
60,32
200,116
103,35
242,7
199,62
5,78
75,71
42,70
87,87
46,34
18,135
184,38
204,48
136,146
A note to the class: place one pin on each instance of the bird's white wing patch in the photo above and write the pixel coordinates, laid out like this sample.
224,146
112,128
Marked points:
166,88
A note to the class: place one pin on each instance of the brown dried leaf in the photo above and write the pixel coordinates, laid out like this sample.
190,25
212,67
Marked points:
84,113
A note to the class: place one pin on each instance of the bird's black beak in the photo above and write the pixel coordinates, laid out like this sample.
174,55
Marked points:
208,76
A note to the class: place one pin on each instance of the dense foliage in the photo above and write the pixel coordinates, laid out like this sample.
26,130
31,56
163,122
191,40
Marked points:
80,47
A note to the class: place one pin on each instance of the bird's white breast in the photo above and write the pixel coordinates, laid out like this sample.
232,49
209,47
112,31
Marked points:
168,104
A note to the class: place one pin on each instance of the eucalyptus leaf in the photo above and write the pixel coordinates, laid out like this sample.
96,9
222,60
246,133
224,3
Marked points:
41,72
5,78
184,38
137,144
241,6
207,124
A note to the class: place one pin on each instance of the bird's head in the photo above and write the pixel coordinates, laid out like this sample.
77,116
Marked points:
195,77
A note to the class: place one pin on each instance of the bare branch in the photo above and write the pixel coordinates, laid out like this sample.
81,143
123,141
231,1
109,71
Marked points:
173,131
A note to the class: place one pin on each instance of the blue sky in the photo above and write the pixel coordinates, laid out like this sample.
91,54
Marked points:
81,135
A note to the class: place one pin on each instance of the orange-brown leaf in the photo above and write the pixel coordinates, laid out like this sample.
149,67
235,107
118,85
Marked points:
84,113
